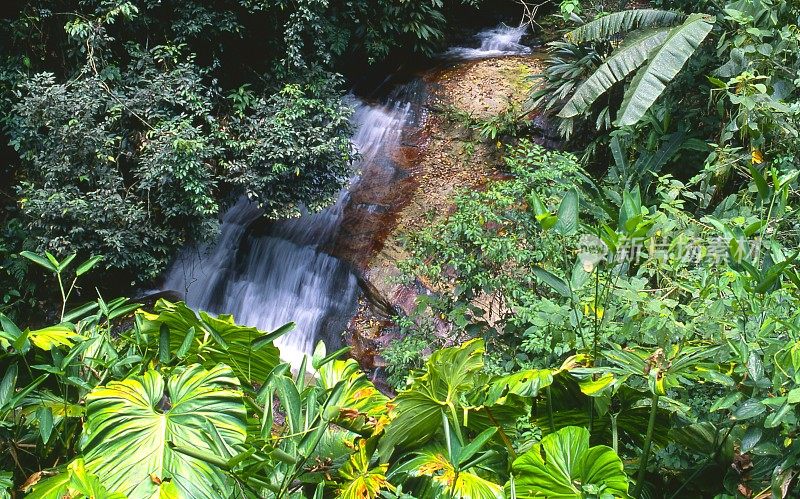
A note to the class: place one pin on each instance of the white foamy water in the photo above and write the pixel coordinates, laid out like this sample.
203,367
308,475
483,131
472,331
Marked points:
499,41
281,274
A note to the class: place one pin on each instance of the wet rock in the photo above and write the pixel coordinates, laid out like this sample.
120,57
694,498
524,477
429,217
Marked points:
438,158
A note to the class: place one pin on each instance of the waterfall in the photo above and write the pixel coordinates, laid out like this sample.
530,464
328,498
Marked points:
493,42
282,274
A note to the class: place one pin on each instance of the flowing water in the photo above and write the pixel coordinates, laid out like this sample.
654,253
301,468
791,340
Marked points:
268,274
499,41
268,277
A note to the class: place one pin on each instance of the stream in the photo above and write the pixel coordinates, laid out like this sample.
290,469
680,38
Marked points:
269,273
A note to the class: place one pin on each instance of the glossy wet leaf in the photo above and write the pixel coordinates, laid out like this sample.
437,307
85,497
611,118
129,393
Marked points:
75,483
416,418
563,464
433,463
361,481
748,409
130,425
216,340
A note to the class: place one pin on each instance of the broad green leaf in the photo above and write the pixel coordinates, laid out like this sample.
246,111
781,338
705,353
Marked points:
773,273
563,464
620,155
318,362
556,283
761,183
617,23
776,418
88,265
7,384
665,63
416,417
726,402
54,337
360,480
626,59
130,425
81,311
186,344
6,484
567,216
291,402
631,207
9,327
65,262
475,446
432,462
268,338
698,437
748,409
52,259
44,262
794,396
45,419
247,362
593,387
75,483
362,408
539,208
54,403
119,307
21,394
526,383
163,344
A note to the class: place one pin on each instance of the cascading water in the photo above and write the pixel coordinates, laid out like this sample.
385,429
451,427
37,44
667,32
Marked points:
282,274
268,274
494,42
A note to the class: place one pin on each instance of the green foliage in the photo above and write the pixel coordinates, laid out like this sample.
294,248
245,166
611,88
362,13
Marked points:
563,465
666,48
417,336
454,468
505,124
75,482
568,65
190,337
665,284
132,414
482,254
663,56
135,123
616,23
59,270
18,291
301,150
135,181
665,63
125,416
626,59
632,333
435,393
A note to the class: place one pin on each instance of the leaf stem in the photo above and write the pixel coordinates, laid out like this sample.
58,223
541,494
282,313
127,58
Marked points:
63,295
648,440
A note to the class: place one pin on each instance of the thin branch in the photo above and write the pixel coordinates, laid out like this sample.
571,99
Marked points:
104,85
529,11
